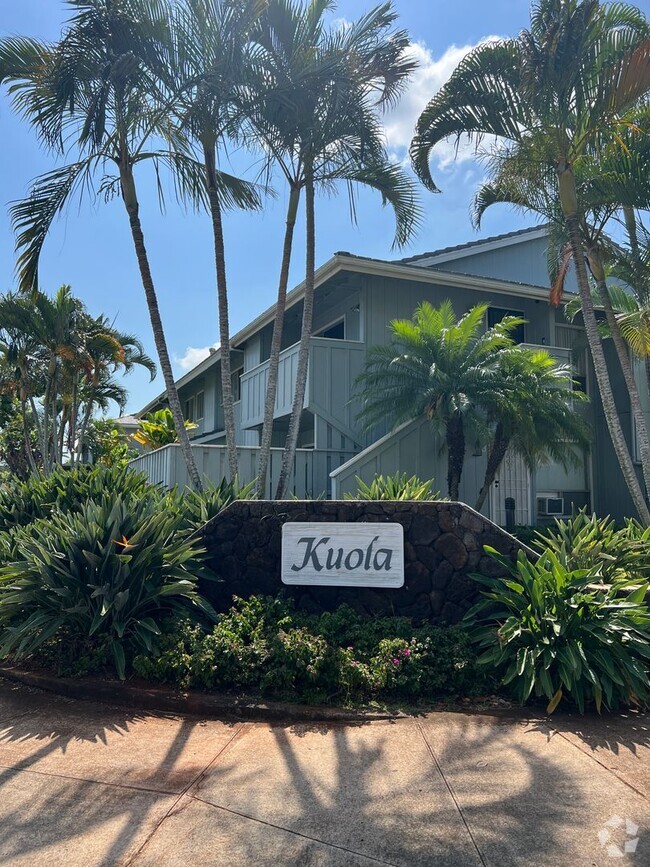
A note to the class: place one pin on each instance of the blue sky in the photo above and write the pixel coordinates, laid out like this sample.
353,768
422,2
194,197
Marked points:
90,247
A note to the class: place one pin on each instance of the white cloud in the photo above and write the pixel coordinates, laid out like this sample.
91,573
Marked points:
426,81
193,355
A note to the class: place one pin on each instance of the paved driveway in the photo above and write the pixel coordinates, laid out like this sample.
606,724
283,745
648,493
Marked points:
84,784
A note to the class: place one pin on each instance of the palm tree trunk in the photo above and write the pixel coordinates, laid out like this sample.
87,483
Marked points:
455,436
39,432
568,199
132,208
28,443
83,428
626,366
497,453
276,343
222,299
303,353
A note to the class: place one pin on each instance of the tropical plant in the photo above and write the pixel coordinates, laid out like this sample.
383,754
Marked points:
22,502
199,507
560,91
533,414
108,444
100,92
313,110
557,632
158,429
618,555
110,572
394,487
440,367
210,59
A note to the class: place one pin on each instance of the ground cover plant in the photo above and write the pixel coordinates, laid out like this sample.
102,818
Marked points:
264,645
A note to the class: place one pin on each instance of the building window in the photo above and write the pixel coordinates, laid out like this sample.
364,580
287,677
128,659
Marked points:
189,409
336,331
496,314
235,384
198,406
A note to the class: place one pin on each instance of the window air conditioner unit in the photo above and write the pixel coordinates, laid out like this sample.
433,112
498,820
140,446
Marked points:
550,505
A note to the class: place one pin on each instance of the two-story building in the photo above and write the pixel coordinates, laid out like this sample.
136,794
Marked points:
355,299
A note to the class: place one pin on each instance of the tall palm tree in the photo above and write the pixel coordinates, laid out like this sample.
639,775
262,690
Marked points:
209,68
564,85
100,90
619,177
439,367
313,112
533,414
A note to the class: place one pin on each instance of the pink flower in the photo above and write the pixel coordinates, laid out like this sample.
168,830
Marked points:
355,663
396,662
406,652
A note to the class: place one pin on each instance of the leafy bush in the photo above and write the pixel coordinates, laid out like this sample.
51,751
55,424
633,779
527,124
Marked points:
158,429
263,644
109,445
552,631
588,542
22,502
394,488
200,507
108,572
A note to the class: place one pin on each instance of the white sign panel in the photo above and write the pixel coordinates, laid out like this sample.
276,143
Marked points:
348,555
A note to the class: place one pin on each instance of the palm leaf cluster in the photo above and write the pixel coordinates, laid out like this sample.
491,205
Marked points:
60,364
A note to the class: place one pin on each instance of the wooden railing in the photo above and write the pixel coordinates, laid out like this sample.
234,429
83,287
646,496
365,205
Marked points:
310,477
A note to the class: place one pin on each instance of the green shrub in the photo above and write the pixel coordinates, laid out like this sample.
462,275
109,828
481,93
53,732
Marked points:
24,502
264,645
394,488
588,542
554,631
107,572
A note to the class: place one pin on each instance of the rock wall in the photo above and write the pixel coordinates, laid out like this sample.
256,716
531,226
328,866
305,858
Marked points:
443,544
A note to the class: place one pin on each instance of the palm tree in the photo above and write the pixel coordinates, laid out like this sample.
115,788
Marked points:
533,414
312,111
618,178
210,59
439,367
107,351
62,363
101,88
560,89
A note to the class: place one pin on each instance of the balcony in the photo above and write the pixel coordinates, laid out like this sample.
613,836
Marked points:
310,477
333,366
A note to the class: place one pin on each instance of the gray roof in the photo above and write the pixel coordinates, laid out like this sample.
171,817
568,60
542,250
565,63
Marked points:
127,421
470,244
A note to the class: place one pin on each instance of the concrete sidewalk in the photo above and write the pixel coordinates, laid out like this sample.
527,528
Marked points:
84,784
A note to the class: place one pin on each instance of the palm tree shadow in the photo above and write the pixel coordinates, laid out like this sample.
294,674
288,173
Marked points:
118,791
370,800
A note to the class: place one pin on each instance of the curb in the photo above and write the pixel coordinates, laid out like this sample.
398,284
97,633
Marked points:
156,699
